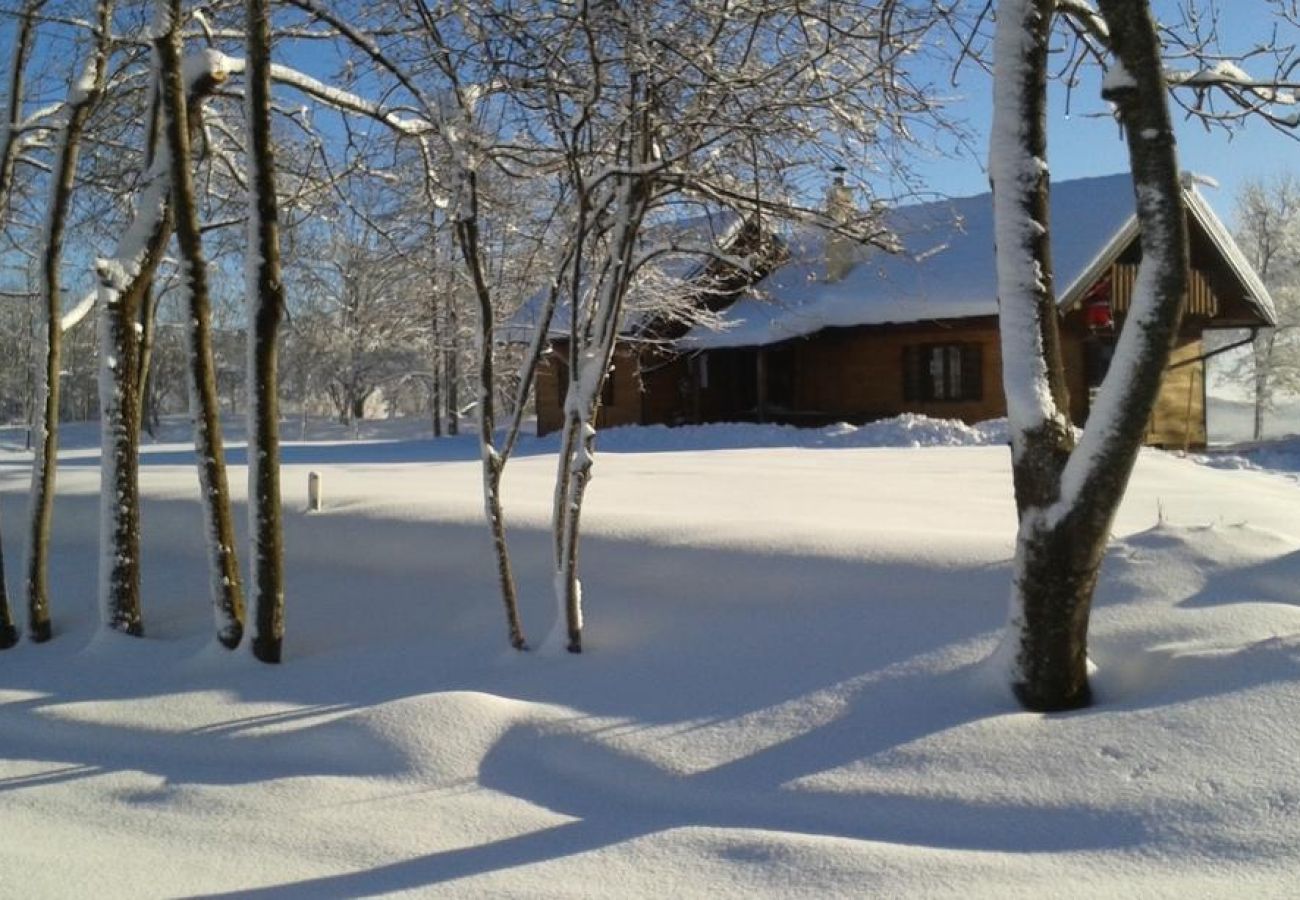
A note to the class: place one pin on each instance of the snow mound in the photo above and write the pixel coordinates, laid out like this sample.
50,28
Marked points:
1280,455
907,430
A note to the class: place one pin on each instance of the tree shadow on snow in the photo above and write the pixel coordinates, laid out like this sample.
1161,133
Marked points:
679,637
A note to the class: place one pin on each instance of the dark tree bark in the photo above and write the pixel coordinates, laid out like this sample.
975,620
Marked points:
451,364
467,236
266,311
435,366
8,630
1068,499
81,99
148,335
9,141
226,584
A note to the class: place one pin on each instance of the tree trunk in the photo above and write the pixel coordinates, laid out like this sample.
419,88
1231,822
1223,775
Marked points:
8,630
46,427
148,333
1263,347
1067,499
119,402
569,587
451,363
266,311
226,590
467,236
435,366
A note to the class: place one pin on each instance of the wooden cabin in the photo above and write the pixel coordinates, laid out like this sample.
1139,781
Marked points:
918,332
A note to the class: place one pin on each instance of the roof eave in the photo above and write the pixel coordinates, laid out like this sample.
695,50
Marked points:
1257,294
1100,263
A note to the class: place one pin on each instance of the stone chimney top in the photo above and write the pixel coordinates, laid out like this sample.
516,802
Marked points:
841,208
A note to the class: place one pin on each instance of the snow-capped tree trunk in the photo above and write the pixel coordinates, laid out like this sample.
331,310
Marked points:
83,95
11,127
265,311
591,350
124,283
226,589
1067,498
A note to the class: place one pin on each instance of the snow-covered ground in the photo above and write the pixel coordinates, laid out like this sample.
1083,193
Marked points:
784,694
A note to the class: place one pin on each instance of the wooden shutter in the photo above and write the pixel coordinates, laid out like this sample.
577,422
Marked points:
911,375
972,372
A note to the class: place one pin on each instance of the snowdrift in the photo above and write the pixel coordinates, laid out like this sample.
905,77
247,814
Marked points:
786,692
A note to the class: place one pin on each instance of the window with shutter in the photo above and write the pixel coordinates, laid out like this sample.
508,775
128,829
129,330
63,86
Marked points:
943,372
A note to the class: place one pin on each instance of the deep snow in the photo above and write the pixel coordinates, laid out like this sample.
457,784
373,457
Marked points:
784,693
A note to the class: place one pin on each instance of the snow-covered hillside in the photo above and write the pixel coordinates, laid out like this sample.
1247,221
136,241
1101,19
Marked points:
784,693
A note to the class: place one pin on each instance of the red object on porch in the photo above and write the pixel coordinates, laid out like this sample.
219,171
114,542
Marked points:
1096,307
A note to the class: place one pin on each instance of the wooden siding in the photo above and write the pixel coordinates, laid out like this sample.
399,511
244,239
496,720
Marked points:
624,390
857,374
1178,420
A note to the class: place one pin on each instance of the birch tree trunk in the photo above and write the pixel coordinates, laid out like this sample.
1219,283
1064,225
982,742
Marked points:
226,589
1067,498
266,309
81,99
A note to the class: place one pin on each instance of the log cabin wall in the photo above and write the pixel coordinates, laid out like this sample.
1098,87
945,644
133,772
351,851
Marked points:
838,374
620,400
861,374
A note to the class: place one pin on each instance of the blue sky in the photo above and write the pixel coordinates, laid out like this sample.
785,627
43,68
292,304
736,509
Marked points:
1086,141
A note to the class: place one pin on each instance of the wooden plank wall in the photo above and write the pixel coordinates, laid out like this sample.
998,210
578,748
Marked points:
552,379
857,374
1178,420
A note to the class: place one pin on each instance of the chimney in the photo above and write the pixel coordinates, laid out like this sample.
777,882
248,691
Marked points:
842,209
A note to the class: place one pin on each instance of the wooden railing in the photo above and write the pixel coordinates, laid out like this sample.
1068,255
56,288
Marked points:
1199,300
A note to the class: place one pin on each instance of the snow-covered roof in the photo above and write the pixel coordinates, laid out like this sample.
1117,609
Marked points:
947,268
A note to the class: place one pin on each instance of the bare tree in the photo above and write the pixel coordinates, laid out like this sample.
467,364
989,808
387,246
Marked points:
265,297
82,96
616,110
1067,495
225,583
10,142
1268,230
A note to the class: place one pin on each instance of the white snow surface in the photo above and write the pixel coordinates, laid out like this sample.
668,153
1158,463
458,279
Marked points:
785,691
